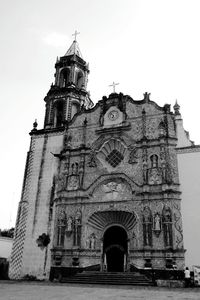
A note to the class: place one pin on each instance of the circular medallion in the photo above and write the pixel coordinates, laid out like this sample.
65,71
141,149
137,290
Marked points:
113,115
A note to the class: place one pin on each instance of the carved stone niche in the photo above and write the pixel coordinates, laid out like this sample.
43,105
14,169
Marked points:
157,224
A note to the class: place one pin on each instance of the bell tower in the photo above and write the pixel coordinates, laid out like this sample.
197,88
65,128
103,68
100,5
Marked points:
68,94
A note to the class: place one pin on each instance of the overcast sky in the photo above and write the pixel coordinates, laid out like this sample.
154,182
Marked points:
145,45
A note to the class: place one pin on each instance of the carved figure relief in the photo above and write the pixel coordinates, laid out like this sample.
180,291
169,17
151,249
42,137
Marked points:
112,189
147,226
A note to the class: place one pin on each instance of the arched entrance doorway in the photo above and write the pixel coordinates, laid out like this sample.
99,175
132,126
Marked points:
115,249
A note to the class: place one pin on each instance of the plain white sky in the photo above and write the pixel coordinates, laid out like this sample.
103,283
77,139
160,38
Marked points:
145,45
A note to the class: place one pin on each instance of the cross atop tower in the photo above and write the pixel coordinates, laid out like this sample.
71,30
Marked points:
75,34
113,85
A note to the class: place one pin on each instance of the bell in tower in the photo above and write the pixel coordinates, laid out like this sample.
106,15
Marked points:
68,94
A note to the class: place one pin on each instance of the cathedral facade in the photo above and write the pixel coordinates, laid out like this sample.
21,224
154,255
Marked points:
101,184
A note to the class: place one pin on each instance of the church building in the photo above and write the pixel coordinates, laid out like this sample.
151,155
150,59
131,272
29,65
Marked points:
101,187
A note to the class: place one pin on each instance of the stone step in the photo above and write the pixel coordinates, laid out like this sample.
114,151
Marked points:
113,278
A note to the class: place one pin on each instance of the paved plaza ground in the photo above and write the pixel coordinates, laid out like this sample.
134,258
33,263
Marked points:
10,290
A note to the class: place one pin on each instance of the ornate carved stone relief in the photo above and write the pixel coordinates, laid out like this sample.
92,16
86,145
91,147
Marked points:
112,190
133,155
178,226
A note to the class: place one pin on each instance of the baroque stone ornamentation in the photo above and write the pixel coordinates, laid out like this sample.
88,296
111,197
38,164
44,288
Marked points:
92,160
178,226
109,194
133,156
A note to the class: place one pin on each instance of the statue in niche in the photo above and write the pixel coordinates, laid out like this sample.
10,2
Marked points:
77,229
133,157
157,224
92,159
91,242
69,224
167,226
147,227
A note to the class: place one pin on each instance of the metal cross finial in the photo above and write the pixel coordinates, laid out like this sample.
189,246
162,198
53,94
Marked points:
75,34
113,85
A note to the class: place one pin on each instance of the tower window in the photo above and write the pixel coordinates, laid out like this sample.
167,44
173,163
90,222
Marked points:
65,77
114,158
59,113
79,81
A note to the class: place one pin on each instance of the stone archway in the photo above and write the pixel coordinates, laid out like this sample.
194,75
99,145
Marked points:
115,248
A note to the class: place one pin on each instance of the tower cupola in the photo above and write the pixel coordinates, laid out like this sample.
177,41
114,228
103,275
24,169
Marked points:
69,91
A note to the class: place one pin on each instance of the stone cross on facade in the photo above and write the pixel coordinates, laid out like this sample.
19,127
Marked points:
113,85
75,34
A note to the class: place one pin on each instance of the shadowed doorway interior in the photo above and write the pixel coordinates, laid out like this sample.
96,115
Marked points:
115,248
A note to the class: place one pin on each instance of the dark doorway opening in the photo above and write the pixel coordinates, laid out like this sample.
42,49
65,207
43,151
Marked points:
115,248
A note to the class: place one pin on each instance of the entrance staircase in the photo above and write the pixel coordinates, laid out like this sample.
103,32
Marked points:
109,278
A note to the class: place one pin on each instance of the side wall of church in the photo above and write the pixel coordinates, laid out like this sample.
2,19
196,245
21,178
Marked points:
189,174
38,185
